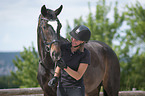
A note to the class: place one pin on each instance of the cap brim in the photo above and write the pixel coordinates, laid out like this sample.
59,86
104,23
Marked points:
73,34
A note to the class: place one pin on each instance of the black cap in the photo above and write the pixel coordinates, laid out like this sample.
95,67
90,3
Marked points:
81,33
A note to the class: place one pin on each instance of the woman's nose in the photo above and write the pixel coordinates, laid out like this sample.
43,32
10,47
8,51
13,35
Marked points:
73,39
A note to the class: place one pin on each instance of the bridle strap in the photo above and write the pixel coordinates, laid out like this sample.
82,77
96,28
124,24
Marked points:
45,19
50,44
48,19
45,41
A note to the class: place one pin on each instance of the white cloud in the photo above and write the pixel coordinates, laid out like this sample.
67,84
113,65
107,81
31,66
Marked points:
6,38
19,18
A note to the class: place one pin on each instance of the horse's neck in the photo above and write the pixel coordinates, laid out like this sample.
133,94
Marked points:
41,47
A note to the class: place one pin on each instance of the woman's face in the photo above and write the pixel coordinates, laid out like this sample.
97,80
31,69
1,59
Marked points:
76,42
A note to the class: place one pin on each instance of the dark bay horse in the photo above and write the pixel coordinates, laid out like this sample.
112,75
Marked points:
104,69
48,41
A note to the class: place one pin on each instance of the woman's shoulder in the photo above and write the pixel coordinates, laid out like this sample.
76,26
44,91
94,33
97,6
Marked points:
86,51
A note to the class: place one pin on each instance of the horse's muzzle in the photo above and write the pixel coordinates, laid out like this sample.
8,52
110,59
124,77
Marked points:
56,55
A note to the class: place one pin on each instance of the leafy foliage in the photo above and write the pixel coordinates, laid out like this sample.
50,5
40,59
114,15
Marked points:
136,20
132,54
101,28
7,82
27,68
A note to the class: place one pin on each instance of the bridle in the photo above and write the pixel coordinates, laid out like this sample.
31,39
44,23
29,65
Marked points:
46,43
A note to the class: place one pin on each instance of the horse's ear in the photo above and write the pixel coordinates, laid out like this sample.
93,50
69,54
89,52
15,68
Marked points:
57,11
43,10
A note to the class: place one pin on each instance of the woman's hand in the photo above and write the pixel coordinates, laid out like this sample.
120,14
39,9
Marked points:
60,63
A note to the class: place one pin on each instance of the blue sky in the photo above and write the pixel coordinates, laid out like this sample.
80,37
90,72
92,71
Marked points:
19,18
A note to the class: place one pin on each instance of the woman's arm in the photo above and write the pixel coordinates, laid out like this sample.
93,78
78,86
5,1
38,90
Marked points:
77,74
57,72
54,80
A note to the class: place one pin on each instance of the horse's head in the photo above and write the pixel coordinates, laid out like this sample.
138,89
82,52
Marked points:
50,14
49,37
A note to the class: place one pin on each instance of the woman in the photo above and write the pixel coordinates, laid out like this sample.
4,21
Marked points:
74,62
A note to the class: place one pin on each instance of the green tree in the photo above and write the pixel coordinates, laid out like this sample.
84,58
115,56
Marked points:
27,65
101,28
132,53
7,82
128,52
135,17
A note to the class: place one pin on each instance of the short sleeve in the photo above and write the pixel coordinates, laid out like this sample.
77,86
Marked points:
86,58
